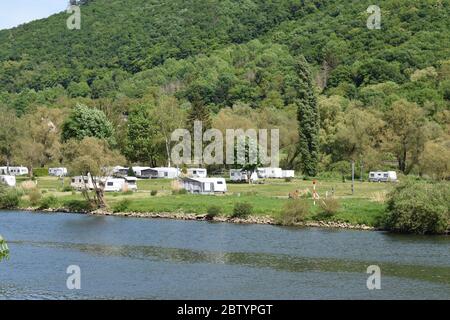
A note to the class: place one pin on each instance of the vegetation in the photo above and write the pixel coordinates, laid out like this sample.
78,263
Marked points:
122,205
242,210
294,211
329,206
213,211
9,198
419,208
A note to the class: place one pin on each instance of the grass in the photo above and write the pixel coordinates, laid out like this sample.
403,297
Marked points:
267,199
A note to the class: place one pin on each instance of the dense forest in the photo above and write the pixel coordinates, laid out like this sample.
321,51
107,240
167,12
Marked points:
137,69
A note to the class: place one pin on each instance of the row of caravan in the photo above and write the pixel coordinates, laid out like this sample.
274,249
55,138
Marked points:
23,171
159,172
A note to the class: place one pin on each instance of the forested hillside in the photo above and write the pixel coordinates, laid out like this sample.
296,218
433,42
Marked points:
337,90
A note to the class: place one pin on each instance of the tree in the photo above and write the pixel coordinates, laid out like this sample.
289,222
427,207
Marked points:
87,122
91,157
199,112
405,133
142,145
38,142
435,160
309,122
168,116
8,134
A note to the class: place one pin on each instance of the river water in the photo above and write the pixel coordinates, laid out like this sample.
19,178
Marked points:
128,258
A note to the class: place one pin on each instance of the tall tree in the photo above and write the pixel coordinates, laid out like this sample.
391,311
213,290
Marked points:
87,122
8,134
309,121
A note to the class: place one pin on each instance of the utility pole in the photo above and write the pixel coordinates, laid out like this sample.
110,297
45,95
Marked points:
353,177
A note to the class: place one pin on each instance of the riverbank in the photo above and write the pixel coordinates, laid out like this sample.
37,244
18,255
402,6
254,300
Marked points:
266,220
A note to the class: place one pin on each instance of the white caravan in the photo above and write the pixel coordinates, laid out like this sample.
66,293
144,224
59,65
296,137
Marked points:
120,184
270,173
197,173
18,171
205,185
288,173
383,176
57,172
239,175
82,183
9,181
162,173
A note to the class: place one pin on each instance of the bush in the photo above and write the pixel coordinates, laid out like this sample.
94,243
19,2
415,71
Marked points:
122,206
67,189
287,179
329,206
9,198
213,211
40,172
419,208
153,193
179,192
294,211
48,202
242,210
78,205
35,196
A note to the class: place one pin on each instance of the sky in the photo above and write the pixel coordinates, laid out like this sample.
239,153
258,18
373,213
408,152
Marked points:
16,12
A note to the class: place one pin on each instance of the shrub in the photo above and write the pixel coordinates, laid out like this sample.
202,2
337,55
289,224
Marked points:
213,211
48,202
287,179
78,205
329,206
122,205
418,208
242,210
35,196
67,189
40,172
179,192
9,198
153,193
294,211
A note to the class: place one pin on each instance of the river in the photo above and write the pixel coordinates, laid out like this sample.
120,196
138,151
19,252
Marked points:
130,258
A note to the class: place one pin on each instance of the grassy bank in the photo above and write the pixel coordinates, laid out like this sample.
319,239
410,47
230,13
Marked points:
268,199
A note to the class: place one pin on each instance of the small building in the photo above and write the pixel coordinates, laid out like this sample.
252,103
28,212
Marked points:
383,176
205,185
270,173
57,172
197,173
7,180
18,171
120,184
288,173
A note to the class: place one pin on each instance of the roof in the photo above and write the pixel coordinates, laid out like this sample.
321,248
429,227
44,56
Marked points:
205,180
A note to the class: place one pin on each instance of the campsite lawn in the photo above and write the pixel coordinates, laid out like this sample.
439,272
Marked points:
364,207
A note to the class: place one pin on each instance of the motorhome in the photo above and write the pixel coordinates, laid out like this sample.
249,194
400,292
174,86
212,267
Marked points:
383,176
57,172
205,185
7,180
197,173
120,184
18,171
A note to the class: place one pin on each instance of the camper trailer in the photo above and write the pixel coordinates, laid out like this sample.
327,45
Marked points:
82,183
120,184
119,171
270,173
383,176
288,174
239,175
18,171
197,173
9,181
205,185
57,172
141,172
